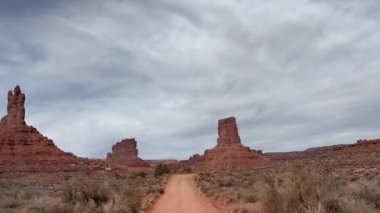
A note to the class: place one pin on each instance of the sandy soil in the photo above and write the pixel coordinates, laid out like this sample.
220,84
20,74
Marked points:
181,196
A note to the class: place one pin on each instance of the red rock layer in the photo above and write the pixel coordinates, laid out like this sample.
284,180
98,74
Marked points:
24,149
125,154
229,152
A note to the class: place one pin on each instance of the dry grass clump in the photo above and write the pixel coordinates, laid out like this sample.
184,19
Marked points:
370,193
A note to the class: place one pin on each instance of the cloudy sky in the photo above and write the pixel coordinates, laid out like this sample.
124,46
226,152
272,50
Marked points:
295,73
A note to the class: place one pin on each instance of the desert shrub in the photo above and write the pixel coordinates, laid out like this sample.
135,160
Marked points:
247,195
333,206
308,191
370,193
29,194
228,182
117,205
141,174
10,203
354,178
205,187
240,210
358,205
122,177
274,199
117,175
47,205
280,181
161,169
69,194
95,192
341,181
187,170
83,196
370,175
155,190
133,197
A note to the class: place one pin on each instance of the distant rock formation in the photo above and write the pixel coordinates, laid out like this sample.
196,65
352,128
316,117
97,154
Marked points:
24,149
365,141
173,164
191,162
364,146
229,152
125,154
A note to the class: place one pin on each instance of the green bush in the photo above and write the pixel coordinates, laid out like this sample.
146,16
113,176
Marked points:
187,170
161,169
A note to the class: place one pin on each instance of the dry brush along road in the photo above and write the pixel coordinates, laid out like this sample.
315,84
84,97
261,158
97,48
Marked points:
182,196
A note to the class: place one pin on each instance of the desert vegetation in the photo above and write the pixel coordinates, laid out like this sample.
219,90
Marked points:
296,187
116,193
161,169
310,190
229,185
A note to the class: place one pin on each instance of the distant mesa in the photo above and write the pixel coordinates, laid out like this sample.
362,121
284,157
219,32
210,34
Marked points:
24,149
125,154
228,152
361,147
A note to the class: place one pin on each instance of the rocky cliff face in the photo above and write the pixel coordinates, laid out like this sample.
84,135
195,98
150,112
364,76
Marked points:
24,149
229,152
125,154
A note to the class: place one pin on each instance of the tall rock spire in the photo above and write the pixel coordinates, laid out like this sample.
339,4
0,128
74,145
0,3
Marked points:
229,152
228,132
24,149
15,109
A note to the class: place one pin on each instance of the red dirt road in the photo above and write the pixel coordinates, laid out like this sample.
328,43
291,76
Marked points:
181,196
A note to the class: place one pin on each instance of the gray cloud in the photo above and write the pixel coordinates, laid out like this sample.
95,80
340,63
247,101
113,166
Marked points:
296,74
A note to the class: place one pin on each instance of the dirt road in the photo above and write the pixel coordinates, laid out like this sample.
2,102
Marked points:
181,196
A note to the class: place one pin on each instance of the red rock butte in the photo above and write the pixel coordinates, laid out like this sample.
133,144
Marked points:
24,149
228,133
229,152
125,154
